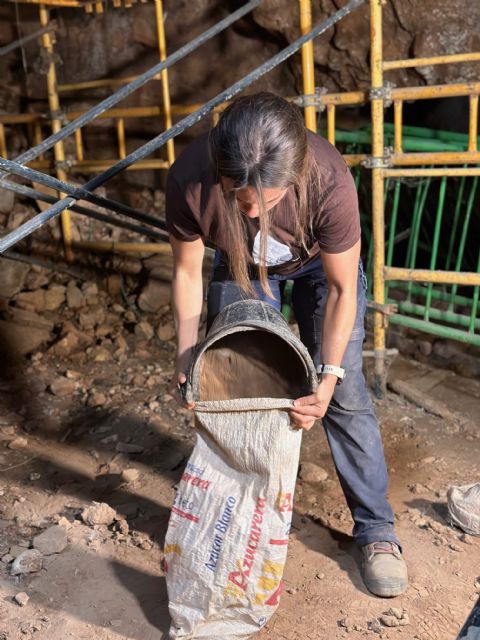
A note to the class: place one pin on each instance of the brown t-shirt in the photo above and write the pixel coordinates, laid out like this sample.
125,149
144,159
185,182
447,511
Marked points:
194,208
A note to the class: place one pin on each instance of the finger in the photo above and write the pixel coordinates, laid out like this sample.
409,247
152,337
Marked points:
313,410
301,419
306,426
299,402
182,378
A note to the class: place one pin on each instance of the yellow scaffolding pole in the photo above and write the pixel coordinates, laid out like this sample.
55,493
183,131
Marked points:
388,65
308,63
331,123
54,104
427,275
431,173
378,221
438,157
125,247
473,123
162,48
397,118
3,141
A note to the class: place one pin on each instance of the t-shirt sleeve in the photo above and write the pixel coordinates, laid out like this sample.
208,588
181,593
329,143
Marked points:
180,219
338,221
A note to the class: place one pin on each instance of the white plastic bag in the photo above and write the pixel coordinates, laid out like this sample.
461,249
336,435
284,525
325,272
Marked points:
464,507
226,544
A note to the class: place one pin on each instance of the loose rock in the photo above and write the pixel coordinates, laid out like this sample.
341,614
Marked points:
310,472
21,598
18,443
130,475
53,540
29,561
99,513
144,330
63,387
166,332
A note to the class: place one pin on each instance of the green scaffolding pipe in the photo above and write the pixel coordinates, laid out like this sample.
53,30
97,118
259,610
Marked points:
476,291
456,217
436,329
463,237
440,314
435,134
436,240
420,199
420,290
393,228
408,143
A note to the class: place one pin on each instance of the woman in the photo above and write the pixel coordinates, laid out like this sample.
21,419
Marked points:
279,203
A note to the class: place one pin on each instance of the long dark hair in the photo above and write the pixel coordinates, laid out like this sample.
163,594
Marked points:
260,141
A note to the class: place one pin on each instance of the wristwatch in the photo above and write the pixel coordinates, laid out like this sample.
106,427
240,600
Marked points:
331,368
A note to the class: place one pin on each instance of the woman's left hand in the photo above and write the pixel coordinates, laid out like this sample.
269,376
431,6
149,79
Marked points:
311,408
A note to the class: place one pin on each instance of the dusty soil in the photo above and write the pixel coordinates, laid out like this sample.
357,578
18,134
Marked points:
108,581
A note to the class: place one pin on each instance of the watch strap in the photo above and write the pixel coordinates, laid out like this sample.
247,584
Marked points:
331,368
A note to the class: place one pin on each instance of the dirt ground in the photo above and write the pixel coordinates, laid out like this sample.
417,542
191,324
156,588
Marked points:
108,583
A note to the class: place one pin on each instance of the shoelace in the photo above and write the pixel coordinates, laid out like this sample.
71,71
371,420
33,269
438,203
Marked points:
382,547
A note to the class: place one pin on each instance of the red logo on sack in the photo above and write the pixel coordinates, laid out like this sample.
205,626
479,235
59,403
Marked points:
240,578
195,481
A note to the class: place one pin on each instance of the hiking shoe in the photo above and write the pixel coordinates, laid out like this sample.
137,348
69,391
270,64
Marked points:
384,569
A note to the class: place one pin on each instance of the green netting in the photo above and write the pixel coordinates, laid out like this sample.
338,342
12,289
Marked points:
430,223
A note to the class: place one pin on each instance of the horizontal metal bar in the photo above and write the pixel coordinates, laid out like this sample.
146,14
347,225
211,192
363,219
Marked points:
435,157
388,65
98,84
419,290
51,3
437,314
90,213
148,148
78,193
124,247
345,99
435,91
122,93
425,275
23,118
432,173
33,36
93,166
436,329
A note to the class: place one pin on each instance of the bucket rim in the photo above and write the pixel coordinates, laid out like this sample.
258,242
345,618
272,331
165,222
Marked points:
219,331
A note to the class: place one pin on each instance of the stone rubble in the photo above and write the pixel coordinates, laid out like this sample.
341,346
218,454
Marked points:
99,513
30,561
52,540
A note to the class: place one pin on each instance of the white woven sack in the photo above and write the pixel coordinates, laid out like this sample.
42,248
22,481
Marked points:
464,507
226,543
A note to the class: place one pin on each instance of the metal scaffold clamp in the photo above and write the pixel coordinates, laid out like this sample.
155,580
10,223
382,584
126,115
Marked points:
312,100
379,162
382,93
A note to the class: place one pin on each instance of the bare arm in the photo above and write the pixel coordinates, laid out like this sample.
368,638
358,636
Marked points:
341,270
187,299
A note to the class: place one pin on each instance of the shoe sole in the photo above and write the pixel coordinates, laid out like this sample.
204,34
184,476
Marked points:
386,590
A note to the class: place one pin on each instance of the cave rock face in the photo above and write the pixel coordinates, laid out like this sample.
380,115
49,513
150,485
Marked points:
124,41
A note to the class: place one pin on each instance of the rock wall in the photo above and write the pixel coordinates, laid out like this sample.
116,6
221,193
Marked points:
124,41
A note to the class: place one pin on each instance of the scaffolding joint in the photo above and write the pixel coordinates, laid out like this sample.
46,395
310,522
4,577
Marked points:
378,162
387,309
61,115
382,93
312,100
64,165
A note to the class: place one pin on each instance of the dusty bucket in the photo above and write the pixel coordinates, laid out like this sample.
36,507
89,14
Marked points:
226,543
